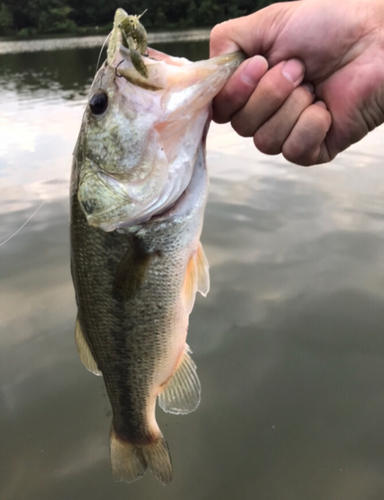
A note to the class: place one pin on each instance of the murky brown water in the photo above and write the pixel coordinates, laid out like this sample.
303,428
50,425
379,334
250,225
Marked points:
289,343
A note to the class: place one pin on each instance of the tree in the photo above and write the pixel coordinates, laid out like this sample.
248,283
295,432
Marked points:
6,20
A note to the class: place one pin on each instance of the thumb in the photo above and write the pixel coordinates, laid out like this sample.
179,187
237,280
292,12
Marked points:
253,34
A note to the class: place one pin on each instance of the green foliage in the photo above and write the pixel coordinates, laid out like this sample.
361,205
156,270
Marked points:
6,20
29,17
59,21
56,20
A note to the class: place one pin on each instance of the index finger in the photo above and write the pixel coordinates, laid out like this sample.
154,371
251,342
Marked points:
239,88
253,34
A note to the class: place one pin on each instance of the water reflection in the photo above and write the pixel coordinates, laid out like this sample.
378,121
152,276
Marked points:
288,343
68,73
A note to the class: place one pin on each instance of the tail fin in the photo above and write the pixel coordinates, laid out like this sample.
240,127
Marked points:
130,461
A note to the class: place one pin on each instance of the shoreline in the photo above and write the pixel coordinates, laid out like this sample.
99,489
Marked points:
18,46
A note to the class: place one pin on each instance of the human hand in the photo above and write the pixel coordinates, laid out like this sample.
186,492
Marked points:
340,45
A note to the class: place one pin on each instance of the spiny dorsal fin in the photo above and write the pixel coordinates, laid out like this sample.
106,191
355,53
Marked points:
84,351
196,278
132,269
181,394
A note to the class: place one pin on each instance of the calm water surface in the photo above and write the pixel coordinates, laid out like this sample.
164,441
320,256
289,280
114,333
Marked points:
289,343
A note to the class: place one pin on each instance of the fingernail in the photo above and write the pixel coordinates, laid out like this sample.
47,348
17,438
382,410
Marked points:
321,103
309,86
293,70
254,69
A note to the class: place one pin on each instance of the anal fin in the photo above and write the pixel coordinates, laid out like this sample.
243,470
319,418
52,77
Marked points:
182,392
84,351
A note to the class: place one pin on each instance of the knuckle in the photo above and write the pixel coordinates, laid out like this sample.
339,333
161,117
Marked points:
216,32
273,94
266,142
241,127
296,152
220,110
302,147
217,35
226,104
233,101
302,92
300,95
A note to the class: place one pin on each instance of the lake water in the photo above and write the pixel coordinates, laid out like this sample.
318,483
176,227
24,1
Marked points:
289,343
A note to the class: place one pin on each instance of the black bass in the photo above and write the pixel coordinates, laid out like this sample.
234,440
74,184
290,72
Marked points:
138,193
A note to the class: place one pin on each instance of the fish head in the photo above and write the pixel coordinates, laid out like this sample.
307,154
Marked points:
118,155
140,134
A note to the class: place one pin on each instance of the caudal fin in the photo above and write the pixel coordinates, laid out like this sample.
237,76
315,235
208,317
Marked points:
130,461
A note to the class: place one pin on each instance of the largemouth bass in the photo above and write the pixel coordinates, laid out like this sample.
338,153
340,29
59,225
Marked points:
138,193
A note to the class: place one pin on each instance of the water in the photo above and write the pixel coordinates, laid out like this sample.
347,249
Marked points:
289,342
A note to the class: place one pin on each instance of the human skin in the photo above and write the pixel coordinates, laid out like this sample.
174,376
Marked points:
335,47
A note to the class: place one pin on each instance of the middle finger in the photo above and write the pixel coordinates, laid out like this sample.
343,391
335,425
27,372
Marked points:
271,92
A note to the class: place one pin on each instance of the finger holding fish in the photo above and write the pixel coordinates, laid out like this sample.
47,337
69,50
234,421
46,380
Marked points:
239,88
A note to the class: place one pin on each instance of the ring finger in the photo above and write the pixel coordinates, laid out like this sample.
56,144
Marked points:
270,137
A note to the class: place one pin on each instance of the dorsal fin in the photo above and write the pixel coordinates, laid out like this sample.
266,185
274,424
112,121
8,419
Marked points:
85,353
181,393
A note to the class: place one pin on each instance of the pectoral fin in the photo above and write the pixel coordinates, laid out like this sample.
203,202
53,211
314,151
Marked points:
202,271
84,351
190,285
181,394
132,269
196,278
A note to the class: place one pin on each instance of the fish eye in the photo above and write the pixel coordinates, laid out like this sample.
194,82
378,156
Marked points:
98,103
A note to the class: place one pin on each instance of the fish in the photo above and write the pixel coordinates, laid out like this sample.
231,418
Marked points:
138,192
